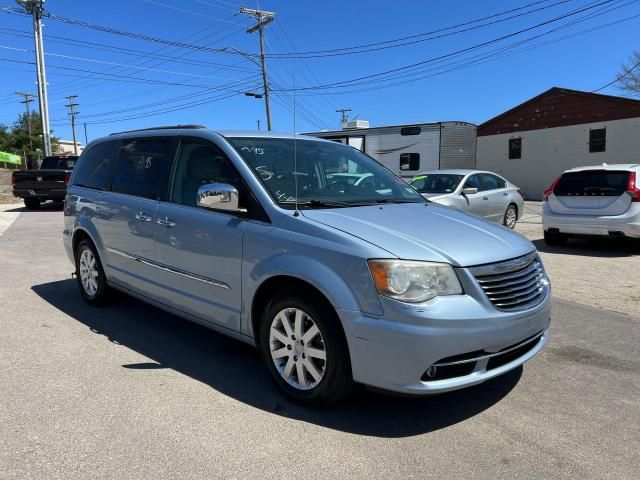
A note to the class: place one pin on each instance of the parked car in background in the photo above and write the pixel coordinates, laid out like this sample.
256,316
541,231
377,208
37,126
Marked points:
49,182
601,200
250,235
473,191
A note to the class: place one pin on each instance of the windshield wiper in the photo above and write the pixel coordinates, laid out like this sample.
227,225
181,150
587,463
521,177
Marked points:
318,203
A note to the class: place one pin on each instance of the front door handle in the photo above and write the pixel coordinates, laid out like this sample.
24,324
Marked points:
166,222
143,217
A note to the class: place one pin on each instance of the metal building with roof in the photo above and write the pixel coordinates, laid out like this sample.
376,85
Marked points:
534,142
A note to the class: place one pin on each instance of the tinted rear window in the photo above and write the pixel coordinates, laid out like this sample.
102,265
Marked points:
58,163
95,167
141,165
592,184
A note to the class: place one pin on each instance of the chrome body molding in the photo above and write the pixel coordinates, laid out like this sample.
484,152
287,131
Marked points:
167,268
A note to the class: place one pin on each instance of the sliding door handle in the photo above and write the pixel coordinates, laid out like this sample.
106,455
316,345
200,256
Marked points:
166,222
143,217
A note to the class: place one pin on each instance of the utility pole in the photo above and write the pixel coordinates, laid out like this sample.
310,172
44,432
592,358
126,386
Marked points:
36,9
85,135
258,124
72,113
28,98
343,115
263,18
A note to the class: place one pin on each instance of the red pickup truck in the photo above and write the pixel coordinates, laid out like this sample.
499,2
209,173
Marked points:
49,182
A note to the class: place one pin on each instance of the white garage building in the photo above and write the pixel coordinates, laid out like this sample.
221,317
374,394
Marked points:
536,141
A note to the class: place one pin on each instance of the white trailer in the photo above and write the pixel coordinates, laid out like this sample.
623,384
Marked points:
410,149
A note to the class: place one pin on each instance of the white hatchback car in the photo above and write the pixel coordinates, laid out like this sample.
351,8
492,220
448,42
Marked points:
485,194
599,200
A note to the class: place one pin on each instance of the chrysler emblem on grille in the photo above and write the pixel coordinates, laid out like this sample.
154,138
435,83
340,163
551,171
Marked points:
39,179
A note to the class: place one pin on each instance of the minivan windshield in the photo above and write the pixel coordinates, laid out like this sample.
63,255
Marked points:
328,174
436,182
59,163
592,183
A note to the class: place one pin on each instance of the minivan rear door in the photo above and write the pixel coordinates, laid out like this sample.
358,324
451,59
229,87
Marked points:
127,222
591,192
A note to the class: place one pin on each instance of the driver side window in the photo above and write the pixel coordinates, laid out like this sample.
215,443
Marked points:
200,162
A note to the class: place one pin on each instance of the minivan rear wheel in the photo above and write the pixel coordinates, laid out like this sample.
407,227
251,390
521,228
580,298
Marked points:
554,238
89,273
303,346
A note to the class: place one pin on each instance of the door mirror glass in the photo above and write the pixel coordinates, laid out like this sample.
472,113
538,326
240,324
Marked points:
469,191
219,196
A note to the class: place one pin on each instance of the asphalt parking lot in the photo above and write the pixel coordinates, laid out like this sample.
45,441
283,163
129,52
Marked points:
129,391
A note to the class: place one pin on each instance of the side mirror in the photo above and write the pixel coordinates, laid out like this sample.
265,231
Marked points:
469,191
219,196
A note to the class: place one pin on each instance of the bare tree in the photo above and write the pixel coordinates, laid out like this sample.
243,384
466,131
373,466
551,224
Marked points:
629,76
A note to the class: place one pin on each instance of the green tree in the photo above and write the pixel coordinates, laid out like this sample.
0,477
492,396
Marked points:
629,76
16,139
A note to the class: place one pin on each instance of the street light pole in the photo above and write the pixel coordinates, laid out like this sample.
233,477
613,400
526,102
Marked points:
36,9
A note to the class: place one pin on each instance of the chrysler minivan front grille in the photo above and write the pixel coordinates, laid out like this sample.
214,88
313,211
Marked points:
513,285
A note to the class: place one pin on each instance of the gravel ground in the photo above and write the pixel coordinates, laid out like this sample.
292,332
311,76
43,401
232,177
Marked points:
129,391
602,273
5,187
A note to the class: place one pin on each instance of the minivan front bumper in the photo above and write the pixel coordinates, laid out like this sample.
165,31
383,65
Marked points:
466,340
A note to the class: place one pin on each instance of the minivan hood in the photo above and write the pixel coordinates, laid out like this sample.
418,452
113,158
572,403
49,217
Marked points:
427,232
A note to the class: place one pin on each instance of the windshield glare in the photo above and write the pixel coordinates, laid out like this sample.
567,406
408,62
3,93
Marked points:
327,173
436,183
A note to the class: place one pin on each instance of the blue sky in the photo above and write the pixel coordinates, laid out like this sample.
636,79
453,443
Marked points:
446,91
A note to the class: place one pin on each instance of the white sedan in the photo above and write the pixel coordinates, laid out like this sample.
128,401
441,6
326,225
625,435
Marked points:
485,194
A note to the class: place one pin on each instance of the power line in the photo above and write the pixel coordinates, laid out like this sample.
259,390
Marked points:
617,79
353,81
72,113
414,39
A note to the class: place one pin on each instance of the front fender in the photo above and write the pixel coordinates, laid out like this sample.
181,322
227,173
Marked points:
301,267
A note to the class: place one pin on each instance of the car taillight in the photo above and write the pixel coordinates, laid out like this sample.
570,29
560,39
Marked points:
549,191
67,176
521,193
633,189
13,178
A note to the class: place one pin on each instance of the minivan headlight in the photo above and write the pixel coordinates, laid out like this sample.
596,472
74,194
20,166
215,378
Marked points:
411,281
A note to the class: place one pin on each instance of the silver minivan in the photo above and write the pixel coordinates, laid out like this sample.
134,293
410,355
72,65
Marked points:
336,282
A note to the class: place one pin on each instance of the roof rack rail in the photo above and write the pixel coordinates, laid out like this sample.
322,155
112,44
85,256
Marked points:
164,127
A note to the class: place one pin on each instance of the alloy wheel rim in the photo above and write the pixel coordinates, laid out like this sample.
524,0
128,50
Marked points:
297,349
511,217
89,272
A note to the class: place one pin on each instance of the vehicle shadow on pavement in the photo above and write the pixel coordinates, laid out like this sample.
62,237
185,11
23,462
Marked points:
593,247
235,369
46,207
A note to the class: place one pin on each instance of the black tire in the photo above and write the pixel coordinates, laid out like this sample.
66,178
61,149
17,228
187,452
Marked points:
32,203
554,238
337,381
99,295
506,219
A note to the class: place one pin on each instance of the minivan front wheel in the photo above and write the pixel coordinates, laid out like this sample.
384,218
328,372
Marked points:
89,272
304,348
